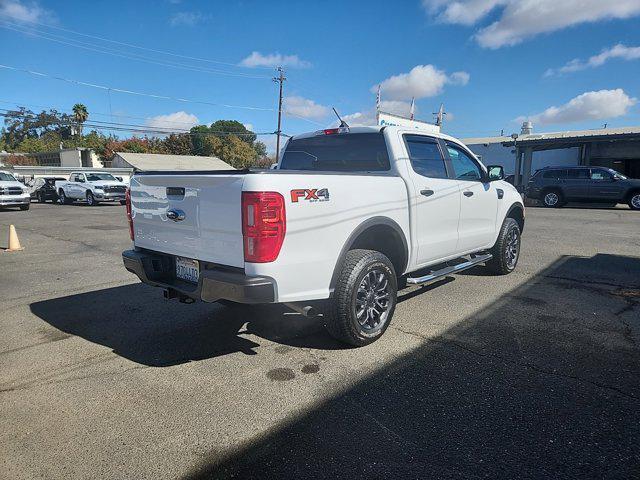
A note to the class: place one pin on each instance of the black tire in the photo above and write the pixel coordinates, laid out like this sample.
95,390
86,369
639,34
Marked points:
352,289
123,202
41,198
25,207
503,261
552,198
634,200
62,198
91,201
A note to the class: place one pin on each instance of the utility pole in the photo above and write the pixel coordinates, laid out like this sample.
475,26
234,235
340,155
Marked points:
279,79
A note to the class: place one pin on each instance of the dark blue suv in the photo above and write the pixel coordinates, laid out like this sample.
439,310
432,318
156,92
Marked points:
555,186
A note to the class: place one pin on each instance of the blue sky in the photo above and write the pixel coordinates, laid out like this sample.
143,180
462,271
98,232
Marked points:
565,65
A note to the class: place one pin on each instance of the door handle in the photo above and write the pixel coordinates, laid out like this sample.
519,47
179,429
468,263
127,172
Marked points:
426,192
468,194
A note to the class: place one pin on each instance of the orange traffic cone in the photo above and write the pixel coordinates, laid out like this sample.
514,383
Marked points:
14,242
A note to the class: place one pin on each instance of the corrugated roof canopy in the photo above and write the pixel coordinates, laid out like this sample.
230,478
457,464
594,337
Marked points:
602,134
158,161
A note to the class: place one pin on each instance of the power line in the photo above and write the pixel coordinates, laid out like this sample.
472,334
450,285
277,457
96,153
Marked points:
163,52
130,56
150,95
133,92
63,110
127,127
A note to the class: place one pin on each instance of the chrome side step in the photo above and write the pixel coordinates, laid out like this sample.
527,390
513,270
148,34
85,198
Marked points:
443,272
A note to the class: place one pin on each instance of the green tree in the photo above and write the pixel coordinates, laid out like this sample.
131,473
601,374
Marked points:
80,115
178,144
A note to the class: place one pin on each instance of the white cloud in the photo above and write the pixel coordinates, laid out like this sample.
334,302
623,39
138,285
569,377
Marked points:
520,20
248,126
368,117
173,121
187,19
257,59
598,105
617,51
422,81
304,108
20,11
466,12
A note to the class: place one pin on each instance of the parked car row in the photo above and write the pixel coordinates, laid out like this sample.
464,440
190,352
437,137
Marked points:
91,187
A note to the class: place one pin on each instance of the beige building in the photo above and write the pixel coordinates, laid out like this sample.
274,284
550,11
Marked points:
154,161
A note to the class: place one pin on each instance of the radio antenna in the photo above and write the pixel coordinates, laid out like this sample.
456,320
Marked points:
343,124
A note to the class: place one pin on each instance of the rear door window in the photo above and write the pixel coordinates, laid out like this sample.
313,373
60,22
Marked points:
342,152
426,157
578,174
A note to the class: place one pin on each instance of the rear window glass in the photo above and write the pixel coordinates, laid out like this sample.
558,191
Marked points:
346,152
425,156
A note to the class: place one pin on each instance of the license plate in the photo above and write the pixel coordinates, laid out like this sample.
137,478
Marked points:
187,269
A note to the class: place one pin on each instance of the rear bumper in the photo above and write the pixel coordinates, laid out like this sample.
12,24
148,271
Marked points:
158,270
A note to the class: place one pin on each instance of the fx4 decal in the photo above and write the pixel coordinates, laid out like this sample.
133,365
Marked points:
310,194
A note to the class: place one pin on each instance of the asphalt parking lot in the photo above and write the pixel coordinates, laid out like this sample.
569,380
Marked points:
532,375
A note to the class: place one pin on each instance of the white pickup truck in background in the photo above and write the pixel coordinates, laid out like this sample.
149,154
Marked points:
13,193
346,219
91,187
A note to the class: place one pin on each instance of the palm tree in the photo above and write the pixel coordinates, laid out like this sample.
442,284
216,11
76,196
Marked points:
80,115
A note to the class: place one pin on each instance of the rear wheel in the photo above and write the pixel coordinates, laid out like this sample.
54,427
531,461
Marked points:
364,298
634,201
506,250
24,207
552,199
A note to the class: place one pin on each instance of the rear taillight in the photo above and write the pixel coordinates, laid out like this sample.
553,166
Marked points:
263,225
129,219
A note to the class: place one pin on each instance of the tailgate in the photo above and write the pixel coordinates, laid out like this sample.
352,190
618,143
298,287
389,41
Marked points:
211,229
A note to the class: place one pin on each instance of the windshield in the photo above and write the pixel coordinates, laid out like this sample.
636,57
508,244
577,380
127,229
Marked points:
94,177
6,177
616,174
350,152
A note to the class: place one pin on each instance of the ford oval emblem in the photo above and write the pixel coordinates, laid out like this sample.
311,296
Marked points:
175,215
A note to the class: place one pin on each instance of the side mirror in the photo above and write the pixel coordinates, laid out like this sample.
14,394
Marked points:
119,179
496,172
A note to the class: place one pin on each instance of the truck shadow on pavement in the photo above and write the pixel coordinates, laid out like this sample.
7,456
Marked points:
541,383
138,324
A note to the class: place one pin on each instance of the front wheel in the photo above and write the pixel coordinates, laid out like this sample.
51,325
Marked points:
91,201
41,198
24,207
506,250
364,299
552,199
634,201
62,198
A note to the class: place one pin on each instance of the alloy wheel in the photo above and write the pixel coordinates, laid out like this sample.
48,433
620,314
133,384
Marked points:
373,301
512,248
551,199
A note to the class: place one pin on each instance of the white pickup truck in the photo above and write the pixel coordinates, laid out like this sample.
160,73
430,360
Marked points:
13,193
348,216
91,187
